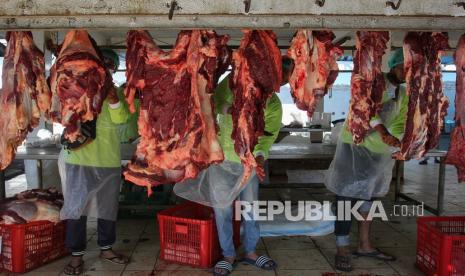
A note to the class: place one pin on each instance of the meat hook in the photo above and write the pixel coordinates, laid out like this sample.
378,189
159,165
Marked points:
460,4
392,5
172,6
320,3
247,5
342,40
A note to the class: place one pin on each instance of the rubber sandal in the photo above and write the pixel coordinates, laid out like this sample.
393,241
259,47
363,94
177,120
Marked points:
261,262
74,270
225,265
377,254
122,259
343,263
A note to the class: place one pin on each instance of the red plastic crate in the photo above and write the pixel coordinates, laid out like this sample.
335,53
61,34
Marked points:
28,246
188,235
441,245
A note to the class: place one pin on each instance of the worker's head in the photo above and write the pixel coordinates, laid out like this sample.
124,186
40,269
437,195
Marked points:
287,68
110,59
396,65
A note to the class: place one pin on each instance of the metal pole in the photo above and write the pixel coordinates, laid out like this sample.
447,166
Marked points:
39,166
441,186
2,185
399,171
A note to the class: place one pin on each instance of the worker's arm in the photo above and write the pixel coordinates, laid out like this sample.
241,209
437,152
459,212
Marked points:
223,97
119,113
273,117
377,124
397,127
387,137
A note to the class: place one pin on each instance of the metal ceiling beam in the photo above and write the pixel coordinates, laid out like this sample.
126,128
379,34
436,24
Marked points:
276,14
235,22
15,8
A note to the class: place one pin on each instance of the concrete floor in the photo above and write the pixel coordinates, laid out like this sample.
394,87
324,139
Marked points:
295,255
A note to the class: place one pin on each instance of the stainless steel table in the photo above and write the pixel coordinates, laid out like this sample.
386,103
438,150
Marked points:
39,154
278,151
302,129
302,151
286,131
52,153
27,153
281,151
441,182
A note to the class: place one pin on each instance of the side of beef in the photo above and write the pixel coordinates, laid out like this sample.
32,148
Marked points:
315,67
256,75
456,154
32,205
367,82
79,83
427,102
24,94
176,122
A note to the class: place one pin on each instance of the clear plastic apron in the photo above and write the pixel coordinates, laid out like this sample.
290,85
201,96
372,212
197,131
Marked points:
359,173
89,191
217,186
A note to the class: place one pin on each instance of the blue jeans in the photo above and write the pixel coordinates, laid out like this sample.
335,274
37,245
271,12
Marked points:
342,228
224,217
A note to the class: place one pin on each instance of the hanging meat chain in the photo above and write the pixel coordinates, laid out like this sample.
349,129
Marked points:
456,154
79,82
367,83
24,95
256,75
427,102
315,67
176,122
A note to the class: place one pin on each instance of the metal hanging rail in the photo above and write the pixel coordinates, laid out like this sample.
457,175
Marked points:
234,14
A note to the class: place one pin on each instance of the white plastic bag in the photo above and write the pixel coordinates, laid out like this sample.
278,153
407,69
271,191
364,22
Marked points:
280,226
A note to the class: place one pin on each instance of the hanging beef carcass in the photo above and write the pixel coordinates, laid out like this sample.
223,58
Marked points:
24,94
315,67
456,154
256,75
79,82
427,102
367,83
176,122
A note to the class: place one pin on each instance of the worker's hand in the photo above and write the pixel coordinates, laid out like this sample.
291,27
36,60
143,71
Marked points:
260,169
391,140
386,136
112,97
